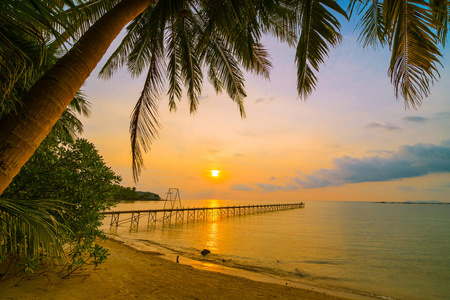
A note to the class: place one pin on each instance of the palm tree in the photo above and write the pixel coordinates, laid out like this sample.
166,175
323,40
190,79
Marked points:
220,35
45,102
27,226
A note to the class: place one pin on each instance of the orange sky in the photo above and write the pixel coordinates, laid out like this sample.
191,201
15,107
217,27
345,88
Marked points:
351,140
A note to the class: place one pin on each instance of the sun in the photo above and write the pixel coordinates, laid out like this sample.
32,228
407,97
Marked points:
215,173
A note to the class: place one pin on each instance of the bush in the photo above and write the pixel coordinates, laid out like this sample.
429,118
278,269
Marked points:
74,174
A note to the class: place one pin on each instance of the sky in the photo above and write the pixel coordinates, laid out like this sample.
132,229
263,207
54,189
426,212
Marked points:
351,140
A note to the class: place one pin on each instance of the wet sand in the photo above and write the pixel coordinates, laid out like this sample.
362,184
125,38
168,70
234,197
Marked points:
130,273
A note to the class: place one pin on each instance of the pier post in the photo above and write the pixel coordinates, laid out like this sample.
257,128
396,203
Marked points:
114,220
134,223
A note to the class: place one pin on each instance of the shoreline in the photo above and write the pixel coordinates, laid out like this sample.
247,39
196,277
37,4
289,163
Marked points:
171,256
137,271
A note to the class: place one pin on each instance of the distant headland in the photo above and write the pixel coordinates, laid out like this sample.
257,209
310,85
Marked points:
413,202
131,194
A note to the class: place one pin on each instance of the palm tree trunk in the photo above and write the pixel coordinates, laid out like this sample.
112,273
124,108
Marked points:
43,105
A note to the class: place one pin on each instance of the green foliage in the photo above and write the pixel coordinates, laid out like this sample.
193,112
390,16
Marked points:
29,225
75,174
148,196
130,194
23,23
414,31
126,193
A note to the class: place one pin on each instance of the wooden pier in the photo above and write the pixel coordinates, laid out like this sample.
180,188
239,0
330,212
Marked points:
181,215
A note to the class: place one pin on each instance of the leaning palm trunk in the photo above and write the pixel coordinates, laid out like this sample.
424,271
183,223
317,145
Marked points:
21,133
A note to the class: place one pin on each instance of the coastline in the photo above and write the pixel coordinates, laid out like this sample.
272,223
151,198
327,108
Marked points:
137,271
170,255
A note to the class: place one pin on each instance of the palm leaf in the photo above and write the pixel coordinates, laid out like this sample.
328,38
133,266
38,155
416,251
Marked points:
144,123
120,55
190,68
69,127
319,28
173,68
441,12
37,20
28,228
81,17
371,23
415,55
224,70
279,20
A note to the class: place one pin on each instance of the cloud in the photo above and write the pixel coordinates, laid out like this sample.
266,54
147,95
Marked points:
408,161
208,193
442,115
415,119
238,154
213,151
388,127
242,187
434,190
267,187
260,100
406,188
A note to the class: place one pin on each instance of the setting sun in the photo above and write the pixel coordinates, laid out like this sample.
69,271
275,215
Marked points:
215,173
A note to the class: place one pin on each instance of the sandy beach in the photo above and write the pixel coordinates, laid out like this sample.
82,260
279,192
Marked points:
130,273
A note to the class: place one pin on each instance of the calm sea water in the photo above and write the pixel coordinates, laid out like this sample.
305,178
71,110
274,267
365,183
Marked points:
392,250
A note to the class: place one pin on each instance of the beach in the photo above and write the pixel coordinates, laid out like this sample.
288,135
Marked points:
132,273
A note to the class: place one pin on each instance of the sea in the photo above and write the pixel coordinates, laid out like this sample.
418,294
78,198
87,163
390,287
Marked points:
383,250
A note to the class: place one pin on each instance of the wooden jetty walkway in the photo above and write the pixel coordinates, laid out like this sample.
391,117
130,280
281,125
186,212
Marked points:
181,215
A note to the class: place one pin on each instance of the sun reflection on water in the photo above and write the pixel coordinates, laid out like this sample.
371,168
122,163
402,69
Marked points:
212,236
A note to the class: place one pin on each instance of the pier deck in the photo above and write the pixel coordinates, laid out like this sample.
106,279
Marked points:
177,215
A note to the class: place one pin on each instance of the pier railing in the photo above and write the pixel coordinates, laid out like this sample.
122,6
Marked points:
181,215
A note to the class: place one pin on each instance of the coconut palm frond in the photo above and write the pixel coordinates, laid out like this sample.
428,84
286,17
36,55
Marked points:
25,23
241,35
261,62
415,54
319,29
39,20
173,68
246,48
120,55
28,228
191,72
17,58
441,13
144,123
68,127
371,22
224,71
81,17
278,19
22,62
213,78
80,104
218,52
88,13
148,37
